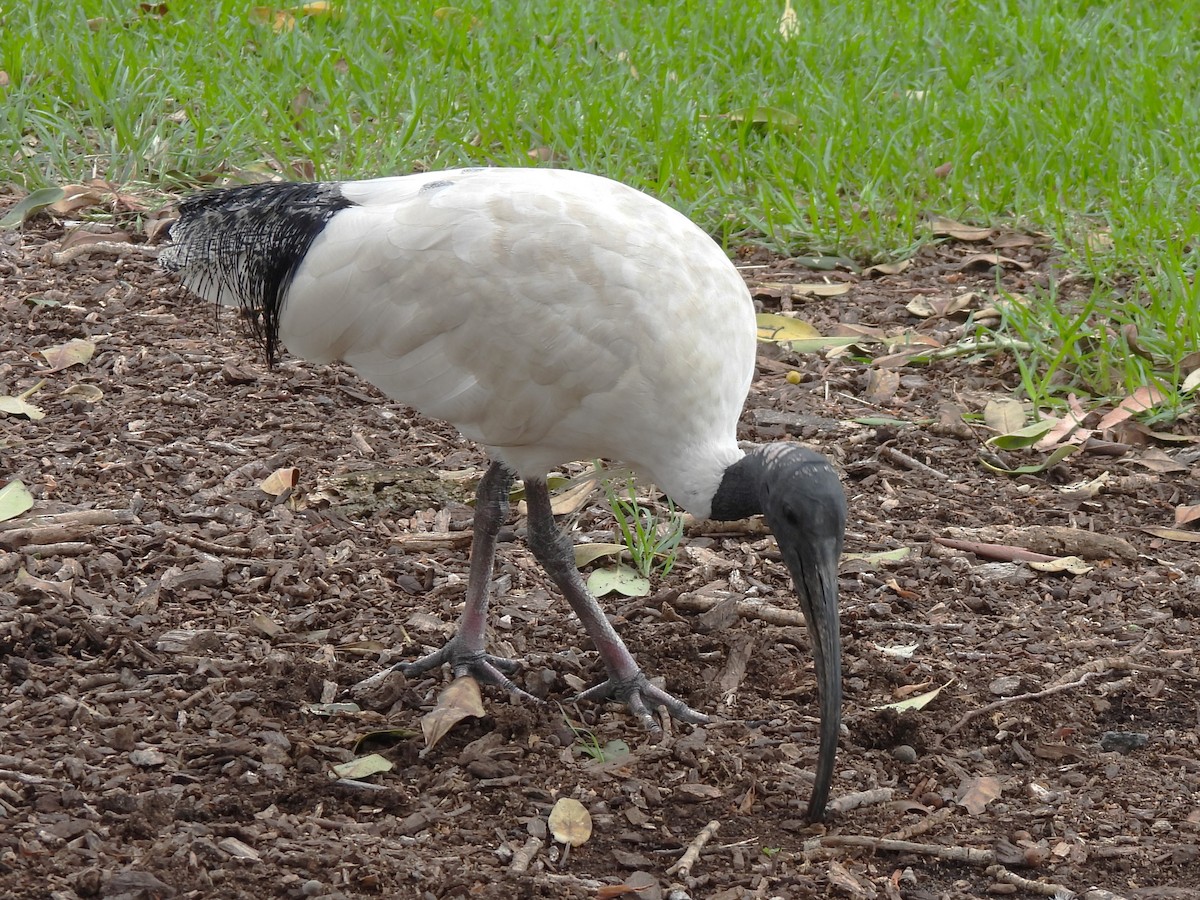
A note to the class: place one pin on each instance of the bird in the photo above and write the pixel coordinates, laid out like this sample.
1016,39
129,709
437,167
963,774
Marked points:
551,316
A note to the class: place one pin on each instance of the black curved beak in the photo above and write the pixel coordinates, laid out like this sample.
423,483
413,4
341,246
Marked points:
814,571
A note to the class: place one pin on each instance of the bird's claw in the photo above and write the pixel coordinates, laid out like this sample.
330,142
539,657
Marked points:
483,667
641,696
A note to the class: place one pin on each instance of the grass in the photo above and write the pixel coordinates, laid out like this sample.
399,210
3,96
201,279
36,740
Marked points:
652,542
1074,119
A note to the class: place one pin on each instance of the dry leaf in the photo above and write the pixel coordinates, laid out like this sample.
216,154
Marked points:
363,767
981,792
461,700
949,228
1144,398
1004,416
1187,515
991,260
72,353
570,822
280,480
573,499
1173,534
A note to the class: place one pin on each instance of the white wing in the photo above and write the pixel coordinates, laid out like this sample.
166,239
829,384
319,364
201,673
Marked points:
548,314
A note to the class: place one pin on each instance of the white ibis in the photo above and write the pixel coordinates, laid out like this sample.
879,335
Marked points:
551,316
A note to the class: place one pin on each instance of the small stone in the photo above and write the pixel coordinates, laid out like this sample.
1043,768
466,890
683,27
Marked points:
311,888
1123,741
904,753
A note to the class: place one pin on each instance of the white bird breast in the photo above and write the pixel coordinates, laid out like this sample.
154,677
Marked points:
550,315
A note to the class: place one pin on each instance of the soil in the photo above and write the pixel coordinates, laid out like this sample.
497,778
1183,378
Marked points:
182,653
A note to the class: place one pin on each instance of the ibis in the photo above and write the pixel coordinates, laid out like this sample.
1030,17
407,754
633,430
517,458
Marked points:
551,316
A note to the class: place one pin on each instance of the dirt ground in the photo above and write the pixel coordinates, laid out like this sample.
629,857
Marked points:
177,665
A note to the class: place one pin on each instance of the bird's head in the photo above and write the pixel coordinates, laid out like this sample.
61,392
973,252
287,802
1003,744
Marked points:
799,494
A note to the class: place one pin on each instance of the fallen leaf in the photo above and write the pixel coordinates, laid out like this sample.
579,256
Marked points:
777,328
1187,515
1072,565
904,651
991,260
27,583
73,353
892,268
570,822
1141,400
949,228
280,480
460,700
30,205
19,406
88,393
589,553
620,580
1173,534
364,767
981,792
574,498
1007,416
15,499
918,702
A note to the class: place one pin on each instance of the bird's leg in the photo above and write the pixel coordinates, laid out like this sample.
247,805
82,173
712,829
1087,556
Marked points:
626,682
464,652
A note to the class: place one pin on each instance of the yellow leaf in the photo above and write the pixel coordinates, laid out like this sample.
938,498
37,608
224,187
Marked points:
777,328
570,822
14,500
573,499
461,700
280,480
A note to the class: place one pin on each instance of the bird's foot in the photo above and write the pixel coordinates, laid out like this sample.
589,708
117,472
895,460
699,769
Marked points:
483,667
641,696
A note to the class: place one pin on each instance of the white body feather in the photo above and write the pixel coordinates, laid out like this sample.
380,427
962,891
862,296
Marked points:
550,315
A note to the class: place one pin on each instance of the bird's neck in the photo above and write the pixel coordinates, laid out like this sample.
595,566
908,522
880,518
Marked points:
738,495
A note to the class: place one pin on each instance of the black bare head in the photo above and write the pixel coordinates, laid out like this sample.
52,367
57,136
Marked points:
799,494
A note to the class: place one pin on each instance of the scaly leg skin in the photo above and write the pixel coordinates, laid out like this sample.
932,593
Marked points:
626,683
464,652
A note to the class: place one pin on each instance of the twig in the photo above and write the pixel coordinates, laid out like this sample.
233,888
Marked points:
951,854
684,865
847,802
433,540
937,817
746,609
523,857
115,248
1033,695
890,625
910,463
198,543
1001,552
1041,888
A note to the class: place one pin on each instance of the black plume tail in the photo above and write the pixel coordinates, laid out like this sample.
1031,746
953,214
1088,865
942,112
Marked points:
241,246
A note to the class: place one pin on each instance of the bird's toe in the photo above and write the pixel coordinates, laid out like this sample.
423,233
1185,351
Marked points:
641,697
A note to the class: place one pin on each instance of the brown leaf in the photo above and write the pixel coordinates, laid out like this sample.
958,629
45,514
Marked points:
991,260
1173,534
980,793
943,227
1187,515
1144,398
461,700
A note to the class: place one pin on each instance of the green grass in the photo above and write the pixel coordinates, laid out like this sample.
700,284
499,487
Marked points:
1076,119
